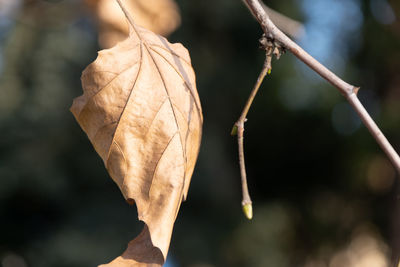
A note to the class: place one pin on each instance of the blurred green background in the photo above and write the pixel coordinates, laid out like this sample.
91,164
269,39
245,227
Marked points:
324,194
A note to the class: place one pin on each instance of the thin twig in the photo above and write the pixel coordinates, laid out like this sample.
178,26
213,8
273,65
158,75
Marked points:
349,91
239,129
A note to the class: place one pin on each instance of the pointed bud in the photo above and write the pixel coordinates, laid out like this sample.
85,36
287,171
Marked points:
248,211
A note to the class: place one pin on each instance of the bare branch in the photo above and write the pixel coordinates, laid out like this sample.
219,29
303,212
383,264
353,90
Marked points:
271,48
238,129
347,90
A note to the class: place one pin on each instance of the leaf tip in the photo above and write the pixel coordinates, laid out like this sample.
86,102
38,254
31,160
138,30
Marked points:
248,211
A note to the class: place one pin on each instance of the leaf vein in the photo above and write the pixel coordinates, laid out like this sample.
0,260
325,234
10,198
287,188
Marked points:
127,101
173,110
184,81
109,82
154,117
171,52
159,159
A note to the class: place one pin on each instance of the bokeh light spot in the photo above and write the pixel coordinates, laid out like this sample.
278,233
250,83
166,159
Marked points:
382,11
380,174
13,260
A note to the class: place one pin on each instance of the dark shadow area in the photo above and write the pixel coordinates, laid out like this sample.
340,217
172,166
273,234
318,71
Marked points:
324,194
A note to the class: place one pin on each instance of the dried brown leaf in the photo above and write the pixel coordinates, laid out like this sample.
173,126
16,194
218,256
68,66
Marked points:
141,111
159,16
